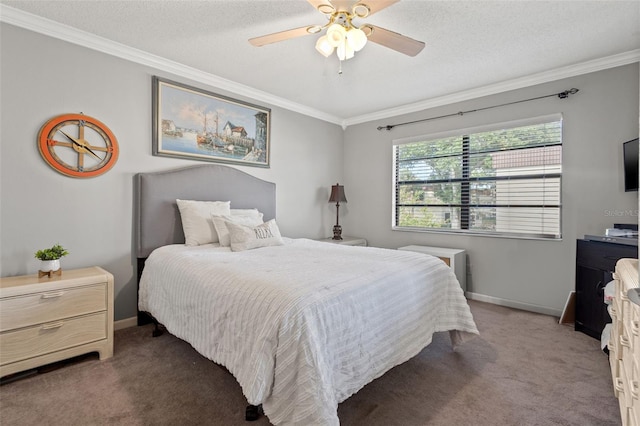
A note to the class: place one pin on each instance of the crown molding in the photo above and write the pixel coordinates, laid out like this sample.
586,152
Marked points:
504,86
63,32
69,34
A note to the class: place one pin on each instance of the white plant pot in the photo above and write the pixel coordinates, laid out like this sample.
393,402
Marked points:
49,265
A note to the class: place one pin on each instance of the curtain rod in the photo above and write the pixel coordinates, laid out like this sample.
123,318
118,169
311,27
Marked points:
561,95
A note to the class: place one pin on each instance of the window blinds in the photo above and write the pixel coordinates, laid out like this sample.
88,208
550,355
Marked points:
501,180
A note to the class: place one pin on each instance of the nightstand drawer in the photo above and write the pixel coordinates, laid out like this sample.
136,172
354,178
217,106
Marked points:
23,311
51,337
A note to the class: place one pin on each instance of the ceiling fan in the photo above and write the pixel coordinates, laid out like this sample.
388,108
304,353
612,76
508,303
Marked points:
342,34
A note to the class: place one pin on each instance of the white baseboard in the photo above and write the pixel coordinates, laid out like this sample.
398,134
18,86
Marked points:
125,323
514,304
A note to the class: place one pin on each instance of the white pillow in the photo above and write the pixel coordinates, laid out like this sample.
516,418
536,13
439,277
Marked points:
196,220
246,237
220,223
247,212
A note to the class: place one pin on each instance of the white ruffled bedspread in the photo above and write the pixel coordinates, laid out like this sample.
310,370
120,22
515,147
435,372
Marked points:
305,325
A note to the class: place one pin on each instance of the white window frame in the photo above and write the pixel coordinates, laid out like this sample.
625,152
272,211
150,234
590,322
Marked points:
461,133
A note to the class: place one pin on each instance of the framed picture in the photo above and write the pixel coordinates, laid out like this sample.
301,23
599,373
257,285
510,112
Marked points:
199,125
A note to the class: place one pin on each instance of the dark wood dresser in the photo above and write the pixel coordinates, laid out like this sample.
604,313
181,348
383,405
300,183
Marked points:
595,264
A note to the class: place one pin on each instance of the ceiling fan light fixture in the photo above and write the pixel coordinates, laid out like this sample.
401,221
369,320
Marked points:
324,47
356,38
336,34
344,51
341,33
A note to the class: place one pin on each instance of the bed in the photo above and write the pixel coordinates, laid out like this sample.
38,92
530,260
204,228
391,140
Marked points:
301,324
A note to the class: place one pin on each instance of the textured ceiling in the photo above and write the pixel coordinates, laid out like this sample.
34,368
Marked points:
469,44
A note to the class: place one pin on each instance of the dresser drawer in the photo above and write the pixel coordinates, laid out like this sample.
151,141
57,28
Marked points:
51,336
626,399
634,327
601,255
634,410
615,350
614,363
627,355
31,309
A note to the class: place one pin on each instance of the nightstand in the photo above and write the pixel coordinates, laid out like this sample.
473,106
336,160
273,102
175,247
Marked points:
347,241
45,320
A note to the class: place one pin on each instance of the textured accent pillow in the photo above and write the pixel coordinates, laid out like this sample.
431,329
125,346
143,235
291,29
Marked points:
220,223
246,237
196,220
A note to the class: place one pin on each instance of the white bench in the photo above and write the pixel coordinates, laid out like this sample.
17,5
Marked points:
456,259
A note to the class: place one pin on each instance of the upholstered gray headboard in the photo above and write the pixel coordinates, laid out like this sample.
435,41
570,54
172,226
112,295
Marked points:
157,218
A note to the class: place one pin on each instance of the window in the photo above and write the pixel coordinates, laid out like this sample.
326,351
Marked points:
502,180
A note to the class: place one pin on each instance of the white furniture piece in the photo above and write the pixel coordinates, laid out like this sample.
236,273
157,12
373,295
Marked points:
456,259
45,320
347,241
624,341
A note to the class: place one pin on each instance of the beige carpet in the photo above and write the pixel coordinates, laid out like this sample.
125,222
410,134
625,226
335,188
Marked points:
524,369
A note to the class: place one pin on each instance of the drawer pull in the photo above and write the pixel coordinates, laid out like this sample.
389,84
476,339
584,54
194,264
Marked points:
53,325
635,327
52,295
619,385
624,341
634,389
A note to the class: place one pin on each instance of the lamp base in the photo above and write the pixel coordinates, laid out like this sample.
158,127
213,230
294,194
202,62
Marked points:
337,232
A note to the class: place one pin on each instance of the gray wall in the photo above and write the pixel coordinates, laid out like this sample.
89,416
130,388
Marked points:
532,274
42,77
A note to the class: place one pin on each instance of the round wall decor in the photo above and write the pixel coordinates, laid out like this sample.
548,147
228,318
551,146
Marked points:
77,145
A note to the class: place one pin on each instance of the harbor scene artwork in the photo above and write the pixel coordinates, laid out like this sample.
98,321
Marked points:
199,125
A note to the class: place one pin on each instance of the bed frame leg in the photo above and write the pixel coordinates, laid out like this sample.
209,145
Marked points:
253,412
158,329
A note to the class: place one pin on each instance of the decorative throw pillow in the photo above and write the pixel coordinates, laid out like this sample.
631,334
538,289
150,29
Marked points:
196,220
220,223
246,237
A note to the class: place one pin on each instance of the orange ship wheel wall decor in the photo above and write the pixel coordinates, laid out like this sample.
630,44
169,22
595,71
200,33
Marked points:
77,145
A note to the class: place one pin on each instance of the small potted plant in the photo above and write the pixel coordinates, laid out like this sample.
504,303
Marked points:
50,258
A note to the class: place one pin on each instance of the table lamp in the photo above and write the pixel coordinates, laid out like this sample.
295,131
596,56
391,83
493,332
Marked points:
337,196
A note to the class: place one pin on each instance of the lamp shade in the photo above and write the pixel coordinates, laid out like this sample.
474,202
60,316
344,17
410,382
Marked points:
324,47
356,38
336,34
337,194
344,51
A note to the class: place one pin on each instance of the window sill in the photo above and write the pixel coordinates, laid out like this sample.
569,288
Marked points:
474,234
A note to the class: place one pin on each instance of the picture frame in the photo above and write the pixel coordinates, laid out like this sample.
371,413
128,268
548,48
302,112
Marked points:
196,124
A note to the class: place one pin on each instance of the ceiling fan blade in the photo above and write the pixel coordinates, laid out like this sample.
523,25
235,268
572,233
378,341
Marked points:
377,5
328,6
393,40
322,6
280,36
